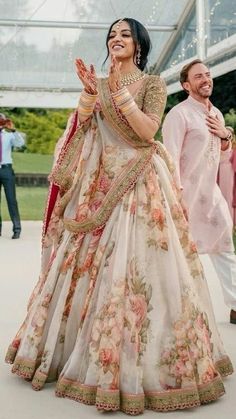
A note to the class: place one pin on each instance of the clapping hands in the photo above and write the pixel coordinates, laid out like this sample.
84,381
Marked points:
87,76
114,77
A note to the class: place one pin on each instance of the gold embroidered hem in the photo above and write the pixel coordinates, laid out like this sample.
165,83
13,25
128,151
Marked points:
11,354
112,400
224,366
25,368
39,380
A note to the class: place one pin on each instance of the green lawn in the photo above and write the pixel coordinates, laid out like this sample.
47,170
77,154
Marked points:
32,163
31,202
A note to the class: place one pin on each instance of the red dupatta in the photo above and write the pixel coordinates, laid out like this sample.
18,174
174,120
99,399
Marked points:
54,189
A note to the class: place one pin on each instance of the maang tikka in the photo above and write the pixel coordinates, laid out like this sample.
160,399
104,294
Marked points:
118,23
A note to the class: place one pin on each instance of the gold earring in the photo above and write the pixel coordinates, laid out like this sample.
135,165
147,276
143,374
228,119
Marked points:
138,56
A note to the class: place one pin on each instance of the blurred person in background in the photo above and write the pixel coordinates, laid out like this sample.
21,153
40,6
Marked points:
9,138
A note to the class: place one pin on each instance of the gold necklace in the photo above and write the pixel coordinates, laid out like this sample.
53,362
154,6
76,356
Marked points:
130,78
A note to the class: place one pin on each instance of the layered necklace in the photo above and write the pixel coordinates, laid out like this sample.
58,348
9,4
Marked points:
130,78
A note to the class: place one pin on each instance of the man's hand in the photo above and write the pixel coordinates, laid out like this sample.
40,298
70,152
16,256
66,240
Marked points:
9,124
216,127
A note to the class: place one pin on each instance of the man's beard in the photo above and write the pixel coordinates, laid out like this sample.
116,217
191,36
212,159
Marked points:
203,93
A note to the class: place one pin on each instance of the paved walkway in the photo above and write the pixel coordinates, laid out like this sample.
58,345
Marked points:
19,261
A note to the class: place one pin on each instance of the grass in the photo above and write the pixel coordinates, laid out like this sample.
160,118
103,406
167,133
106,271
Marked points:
32,163
31,202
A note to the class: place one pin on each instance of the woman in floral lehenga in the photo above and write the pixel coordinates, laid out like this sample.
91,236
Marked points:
121,316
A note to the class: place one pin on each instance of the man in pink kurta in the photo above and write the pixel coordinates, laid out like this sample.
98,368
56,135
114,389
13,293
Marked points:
195,135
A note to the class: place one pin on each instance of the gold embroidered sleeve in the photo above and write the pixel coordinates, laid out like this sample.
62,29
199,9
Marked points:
155,98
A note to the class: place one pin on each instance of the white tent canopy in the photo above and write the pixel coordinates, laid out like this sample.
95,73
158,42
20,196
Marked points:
40,39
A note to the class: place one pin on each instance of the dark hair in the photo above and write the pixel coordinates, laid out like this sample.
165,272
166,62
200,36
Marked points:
185,70
141,38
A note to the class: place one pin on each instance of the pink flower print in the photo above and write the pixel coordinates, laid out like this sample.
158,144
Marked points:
16,343
199,321
82,212
93,273
179,329
193,247
98,231
176,212
183,354
95,204
103,184
166,355
151,186
133,208
194,352
178,369
158,216
67,262
192,335
209,374
139,307
115,334
111,309
39,317
87,263
107,356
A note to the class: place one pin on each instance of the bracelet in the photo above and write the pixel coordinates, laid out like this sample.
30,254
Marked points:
86,104
125,102
229,136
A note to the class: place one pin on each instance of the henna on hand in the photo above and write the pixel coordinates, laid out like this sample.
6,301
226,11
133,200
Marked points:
87,76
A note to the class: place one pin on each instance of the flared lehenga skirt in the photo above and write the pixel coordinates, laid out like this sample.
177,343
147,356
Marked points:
124,319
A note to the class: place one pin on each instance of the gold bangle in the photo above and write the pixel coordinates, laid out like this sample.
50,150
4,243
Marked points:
86,103
125,101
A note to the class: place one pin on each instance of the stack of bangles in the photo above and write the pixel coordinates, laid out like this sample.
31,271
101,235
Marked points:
124,100
86,104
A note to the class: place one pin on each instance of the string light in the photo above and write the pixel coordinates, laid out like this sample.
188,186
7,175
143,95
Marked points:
152,16
184,50
84,7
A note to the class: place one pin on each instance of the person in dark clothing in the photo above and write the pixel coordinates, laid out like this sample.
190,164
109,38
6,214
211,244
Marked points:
9,138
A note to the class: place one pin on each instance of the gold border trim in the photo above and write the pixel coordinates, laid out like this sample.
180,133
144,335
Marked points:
129,403
224,367
134,404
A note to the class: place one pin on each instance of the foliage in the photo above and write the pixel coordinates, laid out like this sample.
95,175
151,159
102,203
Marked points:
230,119
43,127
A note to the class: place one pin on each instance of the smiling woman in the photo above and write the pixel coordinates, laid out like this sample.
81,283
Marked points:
120,316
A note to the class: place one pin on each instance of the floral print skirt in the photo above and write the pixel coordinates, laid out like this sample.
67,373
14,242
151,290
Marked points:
123,318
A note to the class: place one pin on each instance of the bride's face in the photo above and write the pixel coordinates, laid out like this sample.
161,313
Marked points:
120,41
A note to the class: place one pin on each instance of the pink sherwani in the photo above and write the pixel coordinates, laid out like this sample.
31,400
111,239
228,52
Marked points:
196,153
